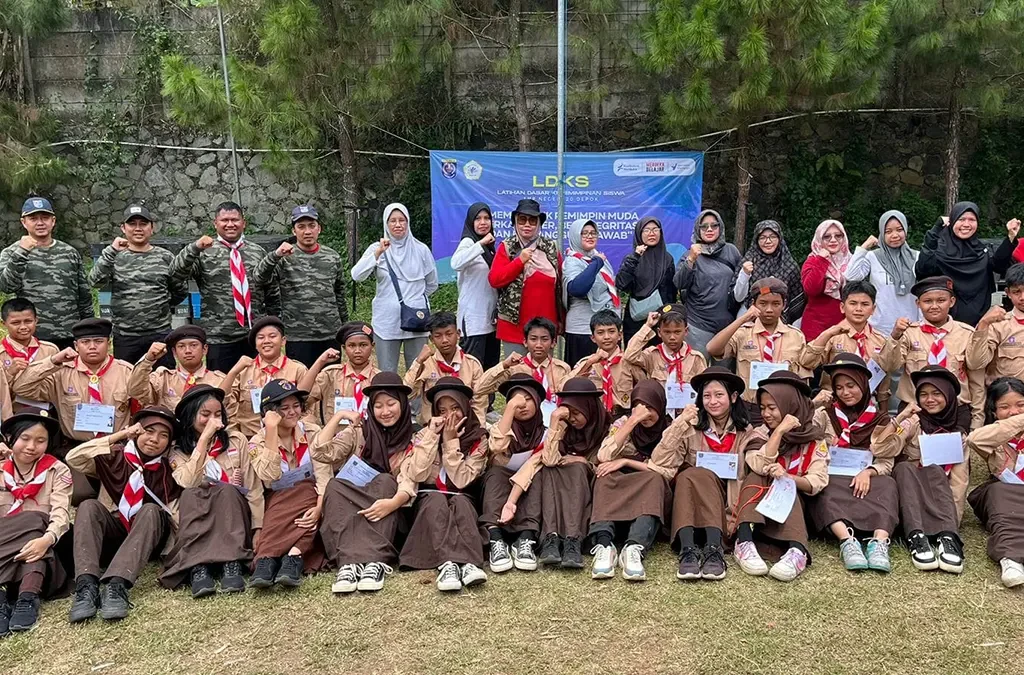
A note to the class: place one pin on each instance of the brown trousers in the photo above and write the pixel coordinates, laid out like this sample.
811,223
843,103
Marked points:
350,538
100,535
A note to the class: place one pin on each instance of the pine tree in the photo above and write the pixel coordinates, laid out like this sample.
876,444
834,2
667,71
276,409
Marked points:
729,63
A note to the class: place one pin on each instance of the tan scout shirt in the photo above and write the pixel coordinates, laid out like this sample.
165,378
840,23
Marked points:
883,445
332,382
914,346
65,385
879,350
267,461
422,376
758,460
551,455
624,377
13,357
166,387
7,408
424,465
498,446
610,450
350,440
653,364
746,344
54,498
999,348
190,472
243,416
991,443
556,371
907,435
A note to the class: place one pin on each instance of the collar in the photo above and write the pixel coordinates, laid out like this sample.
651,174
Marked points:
729,426
851,331
312,251
79,365
260,364
455,359
543,364
199,374
33,342
347,369
946,326
759,328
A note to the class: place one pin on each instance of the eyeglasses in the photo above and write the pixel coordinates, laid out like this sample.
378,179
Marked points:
589,234
653,229
707,227
765,238
832,237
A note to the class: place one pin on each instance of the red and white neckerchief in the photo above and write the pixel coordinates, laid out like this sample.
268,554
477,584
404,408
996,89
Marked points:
539,374
937,354
862,343
301,447
1016,318
606,381
453,368
357,389
768,351
441,482
95,385
608,279
191,379
31,488
239,282
846,428
1018,463
135,488
269,369
797,463
716,444
213,470
674,365
17,352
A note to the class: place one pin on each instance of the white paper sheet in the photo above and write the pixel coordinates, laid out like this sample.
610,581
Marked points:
255,399
357,472
762,369
848,461
725,465
778,503
678,397
877,374
95,418
345,403
941,449
292,477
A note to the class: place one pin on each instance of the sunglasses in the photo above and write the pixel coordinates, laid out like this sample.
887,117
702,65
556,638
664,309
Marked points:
832,237
708,227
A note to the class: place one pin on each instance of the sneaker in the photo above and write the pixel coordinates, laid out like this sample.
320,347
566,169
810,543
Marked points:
5,615
202,583
114,604
449,578
792,564
372,576
713,568
523,556
499,559
87,599
290,574
921,553
878,555
26,612
605,560
1013,573
550,550
632,560
572,555
749,560
689,564
347,579
263,575
232,580
951,554
852,553
472,575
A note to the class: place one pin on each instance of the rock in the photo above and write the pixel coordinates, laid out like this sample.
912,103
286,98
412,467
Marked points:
183,182
825,131
193,170
179,201
210,178
201,198
155,177
916,163
909,177
207,158
889,171
276,192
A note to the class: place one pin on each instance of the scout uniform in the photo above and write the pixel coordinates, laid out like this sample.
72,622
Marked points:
998,501
165,386
657,363
869,344
753,343
999,347
11,351
341,385
466,367
551,373
244,408
614,376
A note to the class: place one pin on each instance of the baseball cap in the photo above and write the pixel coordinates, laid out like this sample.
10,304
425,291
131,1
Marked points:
304,211
137,211
36,205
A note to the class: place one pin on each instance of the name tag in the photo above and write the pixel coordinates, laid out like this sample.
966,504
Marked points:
678,396
292,477
725,465
762,369
848,461
941,449
94,418
345,403
255,396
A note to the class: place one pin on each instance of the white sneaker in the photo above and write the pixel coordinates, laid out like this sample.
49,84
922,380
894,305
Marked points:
499,560
523,556
449,578
951,554
792,564
347,579
749,560
605,559
472,575
372,577
632,561
1013,573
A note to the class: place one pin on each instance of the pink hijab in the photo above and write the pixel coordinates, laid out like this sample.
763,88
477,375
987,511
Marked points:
835,277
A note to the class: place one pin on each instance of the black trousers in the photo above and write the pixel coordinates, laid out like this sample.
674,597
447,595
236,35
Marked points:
225,355
62,343
578,347
307,352
486,348
131,348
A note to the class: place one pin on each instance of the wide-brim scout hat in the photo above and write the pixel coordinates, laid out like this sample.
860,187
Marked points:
261,324
387,381
449,383
930,372
847,361
529,207
578,386
42,417
733,382
787,377
158,414
522,381
195,392
276,391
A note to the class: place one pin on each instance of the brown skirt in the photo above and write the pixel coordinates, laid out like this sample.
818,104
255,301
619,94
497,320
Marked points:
794,529
623,497
214,526
444,530
878,510
926,502
1000,508
350,538
15,532
497,488
280,534
699,501
565,498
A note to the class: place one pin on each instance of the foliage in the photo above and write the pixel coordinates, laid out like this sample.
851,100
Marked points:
994,176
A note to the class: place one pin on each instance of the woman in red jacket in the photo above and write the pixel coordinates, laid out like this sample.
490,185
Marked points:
527,273
823,276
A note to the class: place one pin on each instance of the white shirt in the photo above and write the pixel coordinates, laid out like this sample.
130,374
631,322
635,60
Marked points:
477,299
387,317
888,306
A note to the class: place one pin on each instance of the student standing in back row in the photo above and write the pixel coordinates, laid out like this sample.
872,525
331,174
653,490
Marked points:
478,302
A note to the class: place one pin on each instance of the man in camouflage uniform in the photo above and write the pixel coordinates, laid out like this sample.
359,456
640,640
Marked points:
48,272
312,284
142,292
207,261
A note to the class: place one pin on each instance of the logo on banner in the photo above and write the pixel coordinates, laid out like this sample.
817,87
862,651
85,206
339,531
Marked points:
654,167
472,170
449,168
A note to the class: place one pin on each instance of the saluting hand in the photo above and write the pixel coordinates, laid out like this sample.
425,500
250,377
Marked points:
156,352
120,244
271,419
640,249
870,243
204,242
901,326
65,355
424,354
512,359
330,355
994,315
526,255
752,314
488,239
436,424
823,398
789,423
1012,229
653,318
689,414
134,431
382,245
285,249
213,425
243,363
27,242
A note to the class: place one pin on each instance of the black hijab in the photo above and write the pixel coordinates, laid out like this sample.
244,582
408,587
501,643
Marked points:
652,394
651,266
382,442
779,264
951,419
469,231
530,433
966,262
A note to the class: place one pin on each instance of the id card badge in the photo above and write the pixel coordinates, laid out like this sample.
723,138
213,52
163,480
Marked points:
94,418
877,374
345,403
725,465
255,398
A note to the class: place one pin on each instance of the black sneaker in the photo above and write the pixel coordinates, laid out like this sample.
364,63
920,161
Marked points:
689,564
921,553
290,574
114,604
26,612
263,575
87,599
713,565
5,615
232,581
550,553
202,583
951,554
572,555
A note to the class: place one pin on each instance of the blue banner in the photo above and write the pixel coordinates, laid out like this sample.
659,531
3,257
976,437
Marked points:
614,190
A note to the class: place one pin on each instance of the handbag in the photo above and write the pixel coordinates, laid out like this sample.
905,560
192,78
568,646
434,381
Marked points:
639,309
411,319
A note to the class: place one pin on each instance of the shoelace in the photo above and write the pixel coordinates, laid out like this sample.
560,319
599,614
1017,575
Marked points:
714,553
199,573
233,569
920,544
498,547
22,605
690,553
951,545
600,549
524,547
571,546
633,556
118,592
794,558
376,569
450,570
349,573
264,565
881,545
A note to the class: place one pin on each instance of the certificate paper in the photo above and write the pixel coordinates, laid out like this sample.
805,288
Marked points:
848,461
345,403
516,461
94,418
546,408
292,477
679,396
255,397
778,503
725,465
941,449
877,374
762,369
357,472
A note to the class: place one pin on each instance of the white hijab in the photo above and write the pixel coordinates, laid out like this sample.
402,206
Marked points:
409,257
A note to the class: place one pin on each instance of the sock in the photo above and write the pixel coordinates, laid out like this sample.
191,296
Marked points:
797,545
528,534
603,538
713,536
494,534
745,533
686,538
90,577
32,583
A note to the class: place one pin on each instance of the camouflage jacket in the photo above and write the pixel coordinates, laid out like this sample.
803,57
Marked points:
141,290
212,274
312,289
54,279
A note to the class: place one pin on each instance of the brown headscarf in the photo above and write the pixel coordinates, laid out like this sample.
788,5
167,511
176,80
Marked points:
381,442
951,419
472,431
791,401
530,433
652,394
860,437
586,441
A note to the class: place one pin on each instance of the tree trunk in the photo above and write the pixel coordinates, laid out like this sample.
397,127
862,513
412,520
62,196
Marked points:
595,81
742,186
519,103
351,195
953,141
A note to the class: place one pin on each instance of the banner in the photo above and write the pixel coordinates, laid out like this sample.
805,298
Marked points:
614,190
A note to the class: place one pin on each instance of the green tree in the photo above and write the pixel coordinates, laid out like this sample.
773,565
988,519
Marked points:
730,63
970,50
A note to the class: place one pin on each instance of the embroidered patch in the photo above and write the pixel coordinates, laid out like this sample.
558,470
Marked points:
916,344
1010,341
7,362
67,479
71,390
